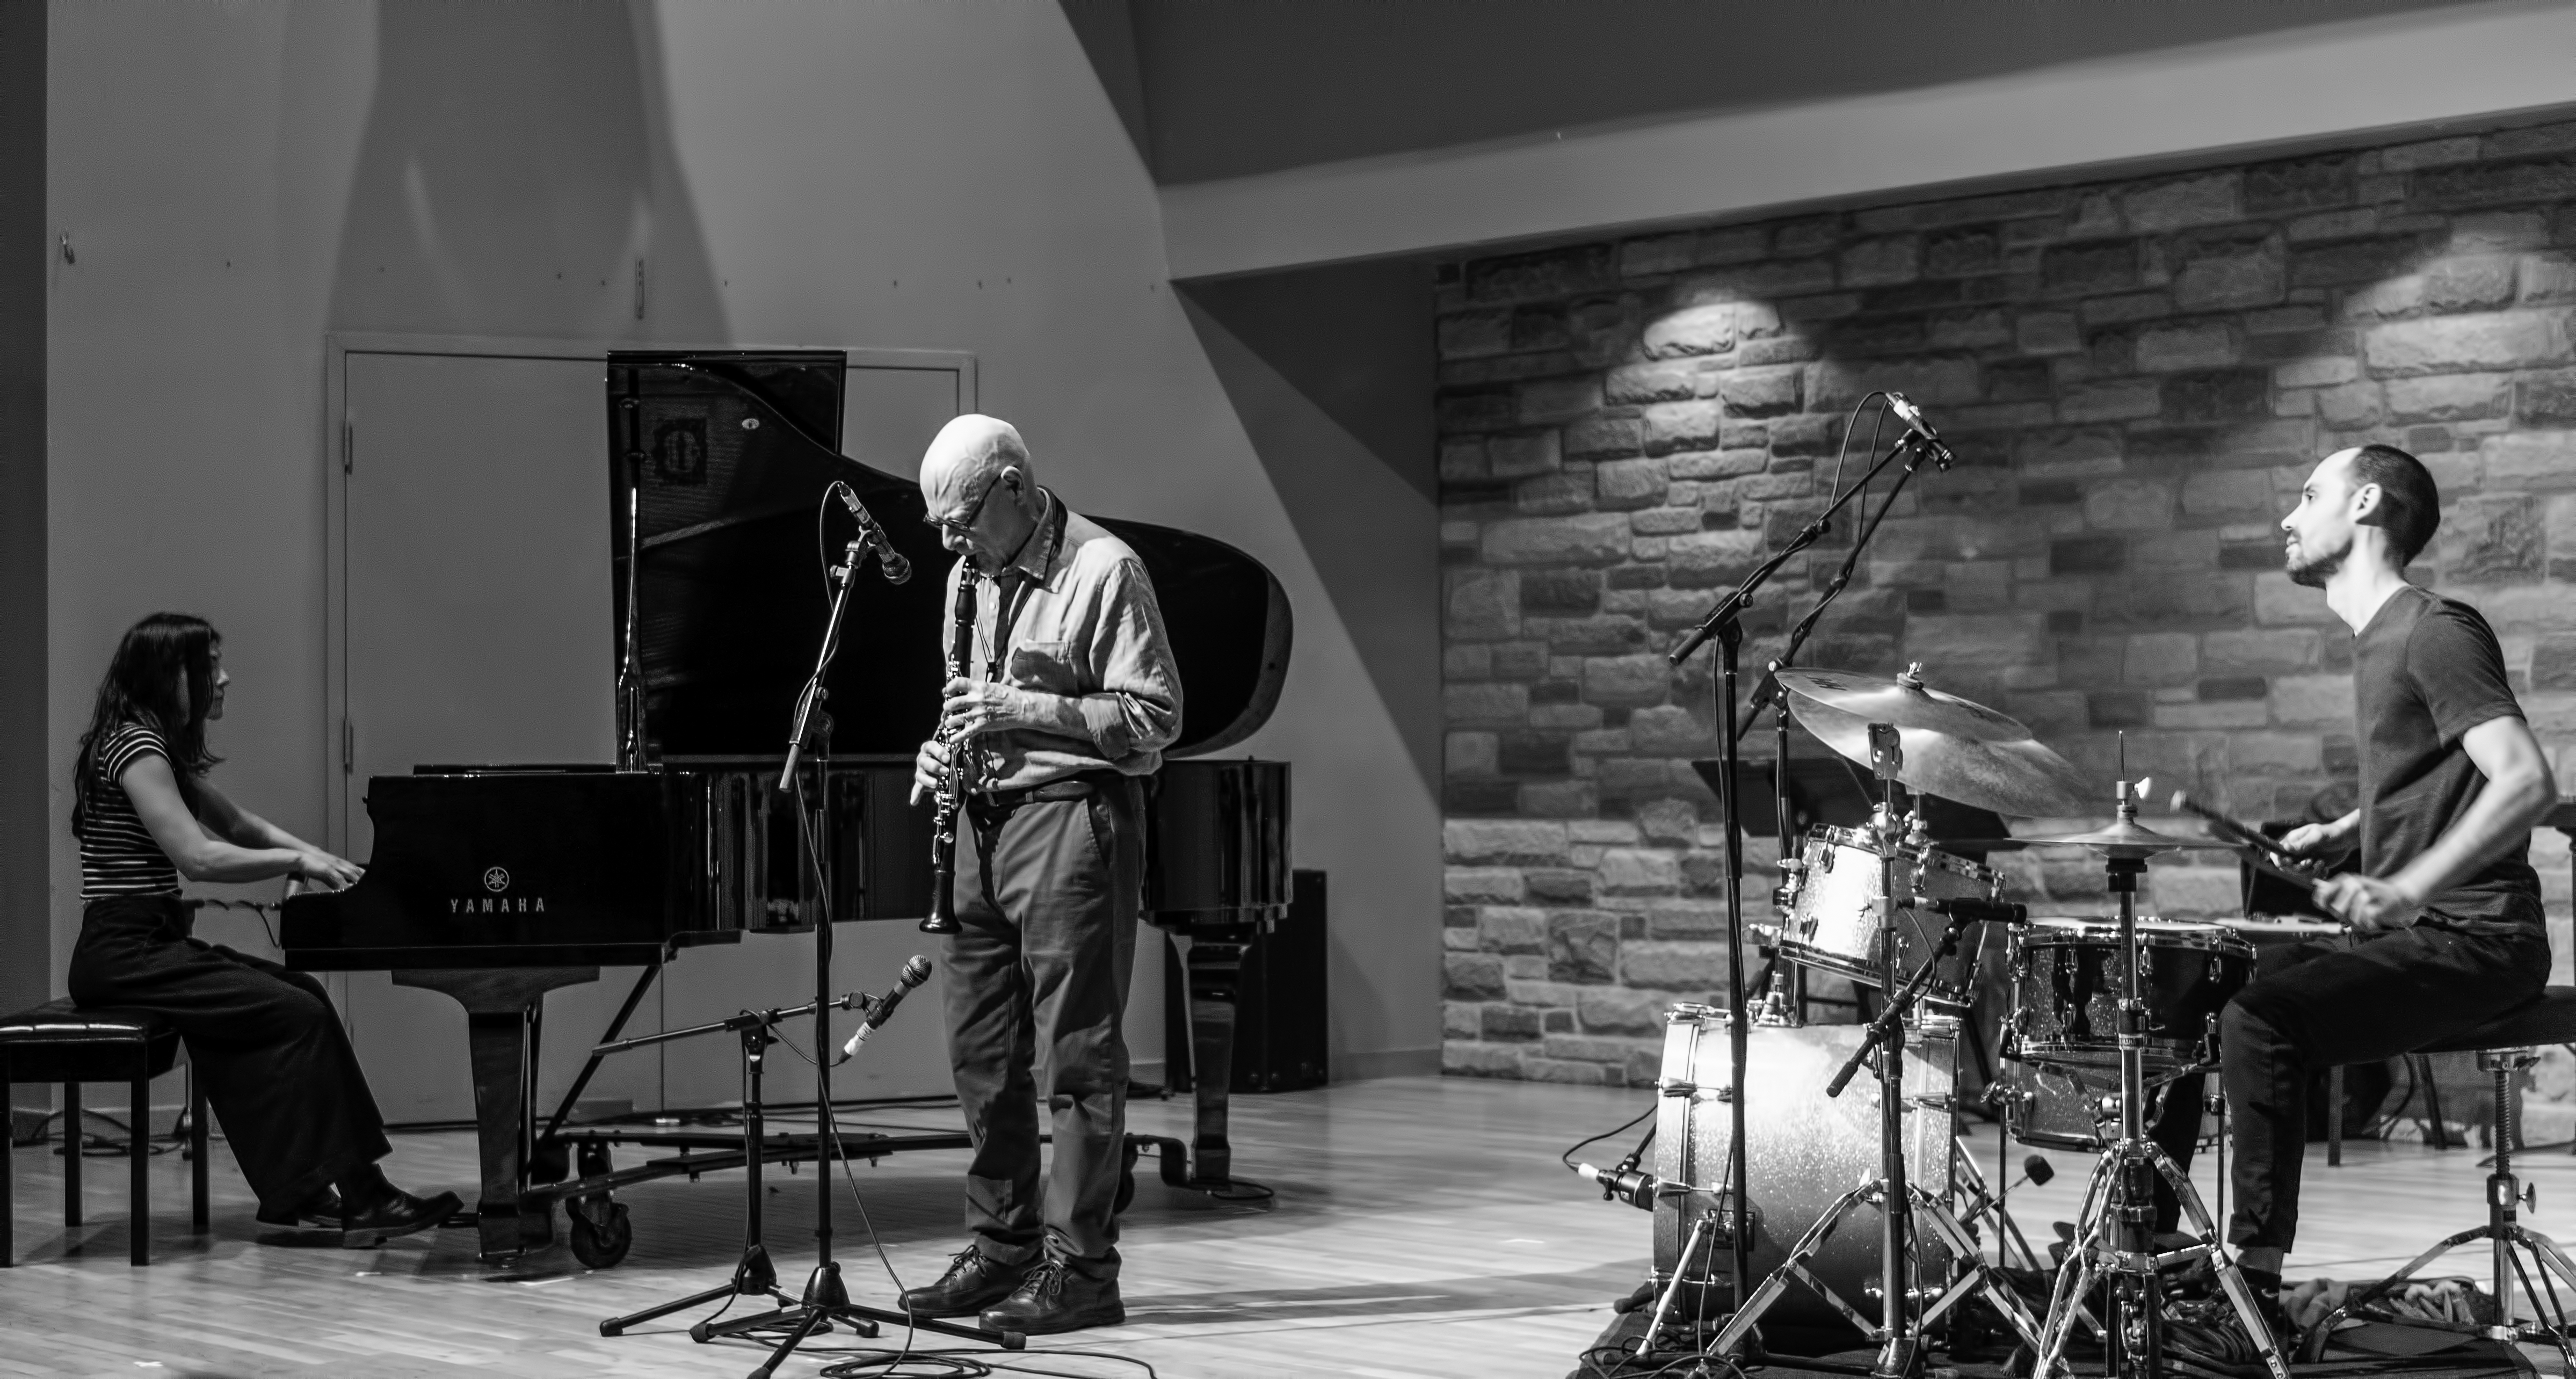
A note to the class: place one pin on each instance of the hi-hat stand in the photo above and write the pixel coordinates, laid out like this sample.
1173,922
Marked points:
2115,1231
1906,1310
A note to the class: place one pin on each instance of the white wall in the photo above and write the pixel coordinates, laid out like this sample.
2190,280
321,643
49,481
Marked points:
241,179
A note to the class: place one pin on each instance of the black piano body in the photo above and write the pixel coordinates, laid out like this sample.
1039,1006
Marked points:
497,883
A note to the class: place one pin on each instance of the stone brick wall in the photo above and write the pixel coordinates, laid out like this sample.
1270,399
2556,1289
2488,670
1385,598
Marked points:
2136,377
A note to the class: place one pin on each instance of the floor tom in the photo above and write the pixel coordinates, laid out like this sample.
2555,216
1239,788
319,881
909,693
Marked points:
1803,1150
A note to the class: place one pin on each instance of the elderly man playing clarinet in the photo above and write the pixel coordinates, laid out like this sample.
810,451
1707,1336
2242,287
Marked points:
1068,698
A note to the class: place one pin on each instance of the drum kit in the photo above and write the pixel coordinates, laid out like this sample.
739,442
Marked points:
2105,1013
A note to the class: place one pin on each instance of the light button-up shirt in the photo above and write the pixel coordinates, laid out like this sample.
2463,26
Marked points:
1083,626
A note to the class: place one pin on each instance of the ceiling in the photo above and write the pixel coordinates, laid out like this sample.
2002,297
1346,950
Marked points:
1214,89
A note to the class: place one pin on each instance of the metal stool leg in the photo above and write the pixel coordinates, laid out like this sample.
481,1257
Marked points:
71,1153
8,1176
138,1149
197,1221
2334,1116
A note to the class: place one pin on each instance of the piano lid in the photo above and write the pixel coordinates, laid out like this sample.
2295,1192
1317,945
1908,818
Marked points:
728,455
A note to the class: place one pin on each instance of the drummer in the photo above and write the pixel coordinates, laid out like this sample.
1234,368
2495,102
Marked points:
2445,908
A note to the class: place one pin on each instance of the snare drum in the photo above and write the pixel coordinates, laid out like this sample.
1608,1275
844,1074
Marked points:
1831,906
2068,976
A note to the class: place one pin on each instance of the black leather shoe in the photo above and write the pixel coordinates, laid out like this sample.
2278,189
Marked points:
395,1213
1053,1298
973,1282
320,1211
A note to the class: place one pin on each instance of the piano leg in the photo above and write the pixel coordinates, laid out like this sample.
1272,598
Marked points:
502,1010
1214,967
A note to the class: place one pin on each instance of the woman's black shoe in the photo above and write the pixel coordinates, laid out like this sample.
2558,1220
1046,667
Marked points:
393,1213
320,1211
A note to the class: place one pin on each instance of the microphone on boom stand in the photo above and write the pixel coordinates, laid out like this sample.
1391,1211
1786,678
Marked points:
1905,411
897,569
914,974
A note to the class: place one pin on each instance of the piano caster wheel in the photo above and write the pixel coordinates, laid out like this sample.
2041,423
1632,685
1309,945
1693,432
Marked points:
1126,1177
601,1247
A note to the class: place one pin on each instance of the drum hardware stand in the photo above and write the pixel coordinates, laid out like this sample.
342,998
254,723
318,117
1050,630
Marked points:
753,1275
1724,622
2507,1239
1904,1311
1980,1203
1915,446
2114,1233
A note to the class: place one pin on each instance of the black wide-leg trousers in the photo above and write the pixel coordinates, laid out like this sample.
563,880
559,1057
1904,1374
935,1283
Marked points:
263,1042
1047,897
2313,1006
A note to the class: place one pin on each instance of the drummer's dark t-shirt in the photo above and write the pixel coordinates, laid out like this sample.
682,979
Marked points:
2426,670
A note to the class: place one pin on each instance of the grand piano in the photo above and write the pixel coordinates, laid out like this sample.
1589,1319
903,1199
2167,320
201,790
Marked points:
496,883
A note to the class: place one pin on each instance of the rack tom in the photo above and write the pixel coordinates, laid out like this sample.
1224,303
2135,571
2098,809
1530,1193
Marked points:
1832,915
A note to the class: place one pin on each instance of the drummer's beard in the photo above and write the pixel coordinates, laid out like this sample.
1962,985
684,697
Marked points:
2313,569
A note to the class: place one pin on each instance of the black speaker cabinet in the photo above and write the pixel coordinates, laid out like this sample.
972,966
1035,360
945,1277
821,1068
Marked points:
1280,1032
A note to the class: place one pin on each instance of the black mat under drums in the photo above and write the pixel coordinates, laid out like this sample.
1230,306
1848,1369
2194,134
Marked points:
2371,1351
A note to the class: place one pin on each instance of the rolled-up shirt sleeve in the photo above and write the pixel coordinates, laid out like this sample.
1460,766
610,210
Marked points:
1138,706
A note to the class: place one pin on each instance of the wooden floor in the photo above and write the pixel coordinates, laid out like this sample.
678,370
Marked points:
1422,1228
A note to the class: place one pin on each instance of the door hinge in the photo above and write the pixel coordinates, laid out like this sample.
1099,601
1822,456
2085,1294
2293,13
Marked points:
348,445
348,746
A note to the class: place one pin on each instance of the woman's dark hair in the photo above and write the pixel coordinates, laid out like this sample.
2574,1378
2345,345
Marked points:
141,686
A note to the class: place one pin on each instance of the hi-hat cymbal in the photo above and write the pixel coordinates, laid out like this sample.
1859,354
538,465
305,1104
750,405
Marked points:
2022,778
2119,838
1905,702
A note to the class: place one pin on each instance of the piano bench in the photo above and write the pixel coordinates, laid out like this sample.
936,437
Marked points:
59,1042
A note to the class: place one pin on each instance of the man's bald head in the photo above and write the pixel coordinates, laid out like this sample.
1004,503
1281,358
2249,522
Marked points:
978,488
968,454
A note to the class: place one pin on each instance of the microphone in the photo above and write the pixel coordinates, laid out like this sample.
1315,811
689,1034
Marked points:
1637,1189
914,973
897,569
1905,411
1988,911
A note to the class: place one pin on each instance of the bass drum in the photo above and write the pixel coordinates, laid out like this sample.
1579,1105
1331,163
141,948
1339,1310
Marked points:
1803,1150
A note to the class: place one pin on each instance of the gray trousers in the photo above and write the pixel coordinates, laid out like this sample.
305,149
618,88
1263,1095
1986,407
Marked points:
1047,898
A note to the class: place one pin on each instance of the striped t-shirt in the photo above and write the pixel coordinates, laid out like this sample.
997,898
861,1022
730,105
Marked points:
118,855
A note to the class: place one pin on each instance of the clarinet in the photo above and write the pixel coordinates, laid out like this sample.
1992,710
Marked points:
953,781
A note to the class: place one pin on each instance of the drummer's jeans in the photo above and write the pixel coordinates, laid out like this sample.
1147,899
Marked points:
2319,1005
1047,899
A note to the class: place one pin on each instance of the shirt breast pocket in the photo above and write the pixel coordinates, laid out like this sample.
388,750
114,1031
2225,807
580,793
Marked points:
1047,666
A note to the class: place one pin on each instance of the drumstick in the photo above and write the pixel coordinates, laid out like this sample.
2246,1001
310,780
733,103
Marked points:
2267,854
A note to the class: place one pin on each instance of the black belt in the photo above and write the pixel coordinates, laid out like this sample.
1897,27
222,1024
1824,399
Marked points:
1081,787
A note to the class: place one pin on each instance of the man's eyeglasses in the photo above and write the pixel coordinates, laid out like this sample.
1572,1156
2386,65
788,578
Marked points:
961,525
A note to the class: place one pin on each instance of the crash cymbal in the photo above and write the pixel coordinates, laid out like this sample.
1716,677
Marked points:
2022,778
1905,702
2124,838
